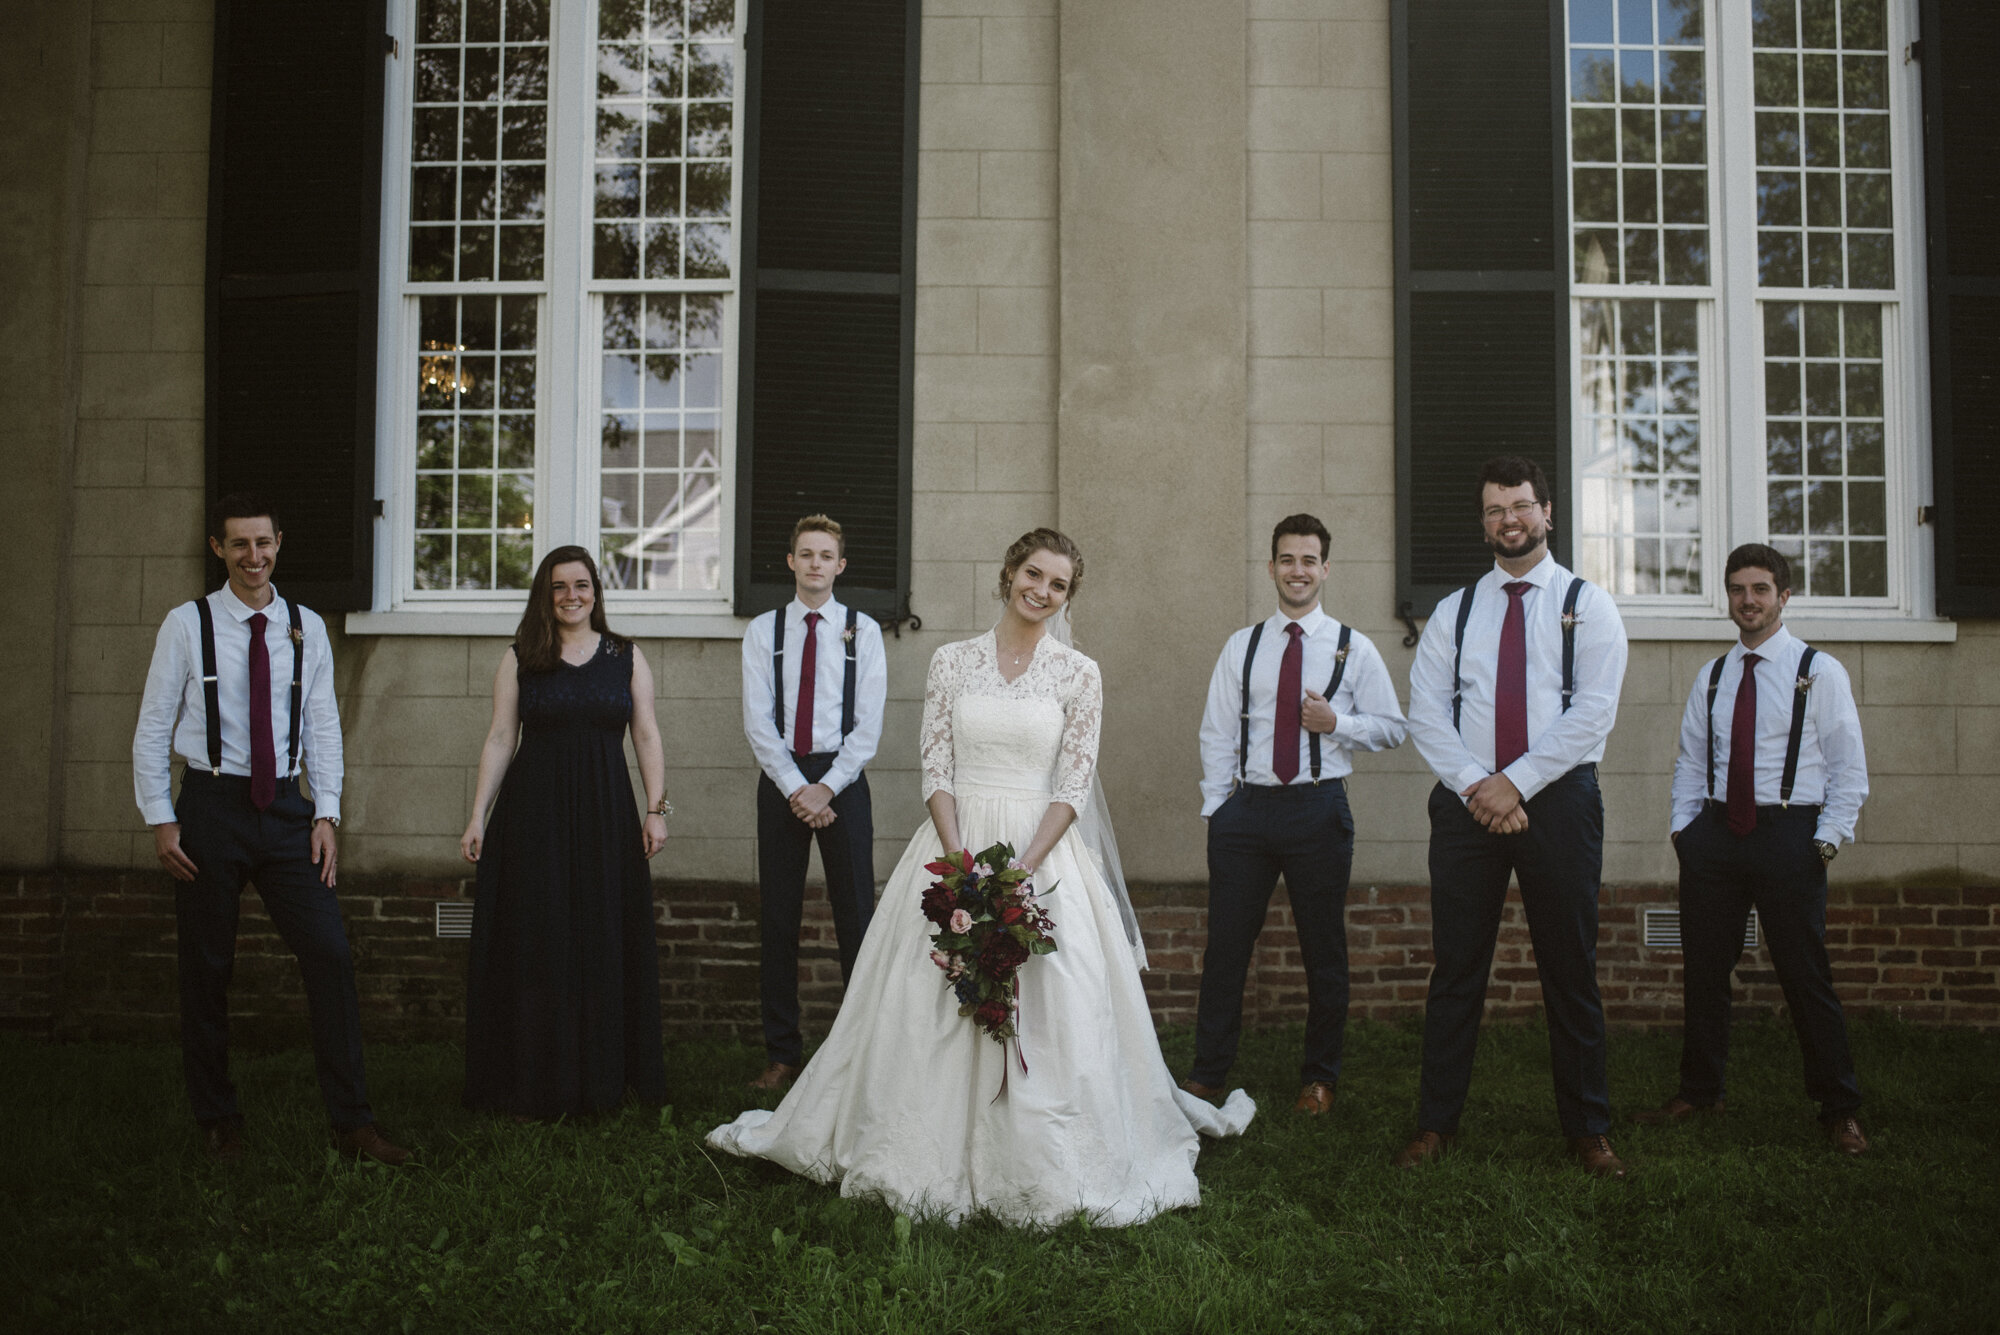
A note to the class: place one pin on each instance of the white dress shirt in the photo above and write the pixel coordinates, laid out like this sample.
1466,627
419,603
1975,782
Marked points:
1369,716
174,691
871,688
1557,742
1833,767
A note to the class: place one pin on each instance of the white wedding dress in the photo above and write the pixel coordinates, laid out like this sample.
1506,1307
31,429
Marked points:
899,1102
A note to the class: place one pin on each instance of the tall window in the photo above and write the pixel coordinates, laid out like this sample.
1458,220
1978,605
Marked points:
1742,206
557,338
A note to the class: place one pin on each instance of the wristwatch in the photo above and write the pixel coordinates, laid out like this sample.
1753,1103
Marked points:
1827,851
334,821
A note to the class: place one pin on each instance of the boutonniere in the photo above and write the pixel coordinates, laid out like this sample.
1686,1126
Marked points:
1805,684
298,637
1571,621
1340,656
847,636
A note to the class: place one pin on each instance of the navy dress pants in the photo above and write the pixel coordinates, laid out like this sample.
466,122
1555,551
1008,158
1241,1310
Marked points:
784,844
230,843
1558,860
1776,868
1305,833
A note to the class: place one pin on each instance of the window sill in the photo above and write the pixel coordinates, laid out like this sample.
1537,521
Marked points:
705,624
1892,628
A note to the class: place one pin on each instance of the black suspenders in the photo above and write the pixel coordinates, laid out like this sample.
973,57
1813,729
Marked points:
1569,620
1332,685
847,672
211,694
1243,737
1802,688
211,697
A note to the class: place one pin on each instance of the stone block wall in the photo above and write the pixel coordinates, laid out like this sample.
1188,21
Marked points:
90,955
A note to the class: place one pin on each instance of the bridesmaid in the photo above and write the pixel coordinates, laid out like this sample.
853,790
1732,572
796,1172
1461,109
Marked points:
562,1006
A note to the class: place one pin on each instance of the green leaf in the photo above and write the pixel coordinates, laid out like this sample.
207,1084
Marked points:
901,1228
437,1243
222,1266
666,1116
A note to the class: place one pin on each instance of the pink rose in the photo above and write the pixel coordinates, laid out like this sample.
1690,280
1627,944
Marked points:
961,921
942,960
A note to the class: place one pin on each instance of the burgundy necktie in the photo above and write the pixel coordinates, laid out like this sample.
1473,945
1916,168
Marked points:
263,761
1510,696
1285,737
1743,752
802,722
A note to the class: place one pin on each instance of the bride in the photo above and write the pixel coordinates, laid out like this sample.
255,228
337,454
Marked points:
900,1101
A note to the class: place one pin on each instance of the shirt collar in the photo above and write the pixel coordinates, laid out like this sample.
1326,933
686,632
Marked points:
1541,575
242,611
1310,624
1769,651
830,610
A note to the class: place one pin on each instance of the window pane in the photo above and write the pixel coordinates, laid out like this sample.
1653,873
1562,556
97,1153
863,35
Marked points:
1822,93
1638,94
660,104
1827,491
659,447
478,67
475,484
1639,507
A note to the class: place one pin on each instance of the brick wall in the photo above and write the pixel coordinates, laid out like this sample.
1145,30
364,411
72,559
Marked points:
90,955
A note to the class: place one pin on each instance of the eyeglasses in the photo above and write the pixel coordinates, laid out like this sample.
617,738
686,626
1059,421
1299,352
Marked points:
1519,510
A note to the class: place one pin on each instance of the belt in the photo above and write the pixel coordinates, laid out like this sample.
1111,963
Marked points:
1285,789
1721,808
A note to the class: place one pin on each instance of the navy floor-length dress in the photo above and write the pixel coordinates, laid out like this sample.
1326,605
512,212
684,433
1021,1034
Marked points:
562,1010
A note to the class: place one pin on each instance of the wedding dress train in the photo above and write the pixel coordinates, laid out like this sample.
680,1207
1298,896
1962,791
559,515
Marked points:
904,1100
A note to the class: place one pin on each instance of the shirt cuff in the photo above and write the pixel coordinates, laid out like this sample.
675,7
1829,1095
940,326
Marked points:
1829,835
1525,777
159,813
1466,778
1346,729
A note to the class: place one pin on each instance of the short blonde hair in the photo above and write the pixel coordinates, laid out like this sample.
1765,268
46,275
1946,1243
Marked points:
818,524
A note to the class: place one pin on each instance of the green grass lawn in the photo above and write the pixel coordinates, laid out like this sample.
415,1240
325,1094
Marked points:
623,1223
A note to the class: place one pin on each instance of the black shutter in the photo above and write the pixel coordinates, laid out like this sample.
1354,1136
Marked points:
1482,272
294,213
828,306
1961,50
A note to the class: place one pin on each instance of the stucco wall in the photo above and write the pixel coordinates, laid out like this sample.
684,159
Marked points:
1089,352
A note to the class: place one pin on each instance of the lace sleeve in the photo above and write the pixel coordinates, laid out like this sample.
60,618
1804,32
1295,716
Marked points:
934,739
1083,719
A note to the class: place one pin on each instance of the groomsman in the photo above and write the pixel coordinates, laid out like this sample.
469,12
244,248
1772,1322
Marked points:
1290,701
814,680
1770,779
246,735
1512,694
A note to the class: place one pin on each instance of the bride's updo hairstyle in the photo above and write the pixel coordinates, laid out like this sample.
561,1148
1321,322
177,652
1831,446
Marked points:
1041,540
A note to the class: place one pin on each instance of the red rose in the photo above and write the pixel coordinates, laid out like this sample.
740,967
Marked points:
938,903
992,1013
1012,914
1001,954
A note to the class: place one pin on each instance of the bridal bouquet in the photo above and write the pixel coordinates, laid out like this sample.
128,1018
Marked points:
988,923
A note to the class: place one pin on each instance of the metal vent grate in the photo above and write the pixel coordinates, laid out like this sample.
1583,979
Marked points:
455,921
1663,930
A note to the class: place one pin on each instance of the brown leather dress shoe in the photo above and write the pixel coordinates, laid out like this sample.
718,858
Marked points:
1844,1134
1201,1091
1428,1146
1593,1154
365,1142
223,1141
1676,1109
776,1076
1315,1098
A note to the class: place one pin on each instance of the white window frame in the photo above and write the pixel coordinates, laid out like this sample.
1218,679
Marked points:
569,366
1733,504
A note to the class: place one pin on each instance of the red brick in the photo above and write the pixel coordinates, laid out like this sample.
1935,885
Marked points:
1908,975
1979,894
1983,995
1834,915
1978,917
1926,894
1902,917
1927,936
1951,959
